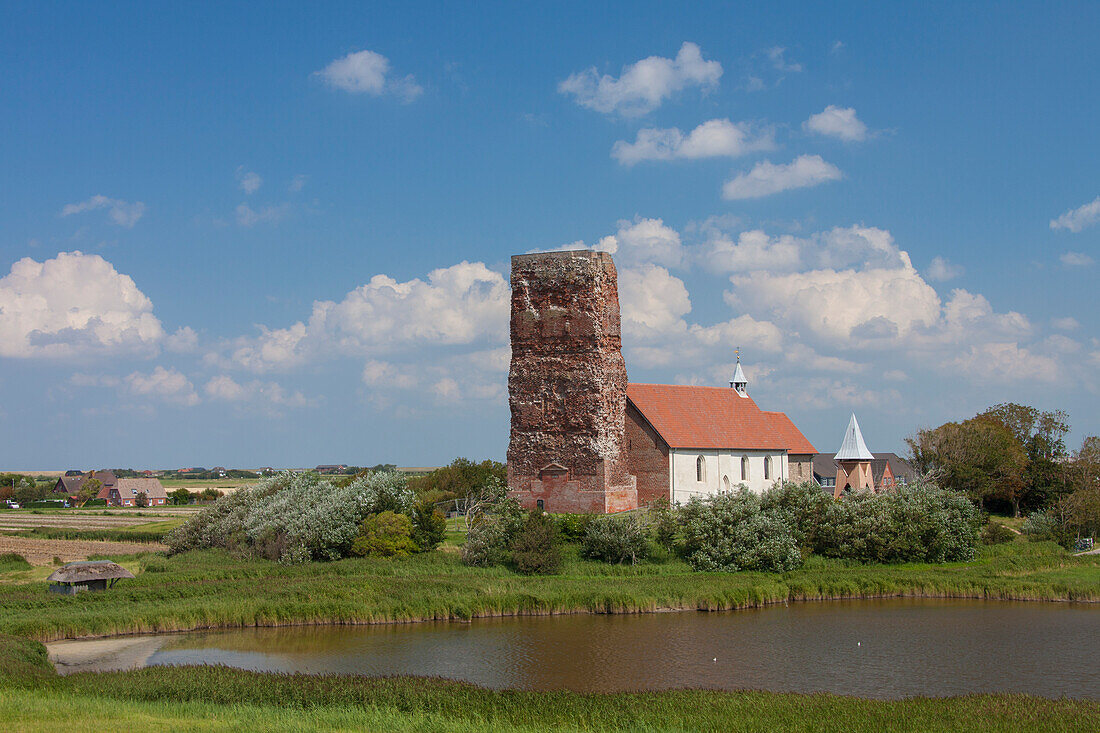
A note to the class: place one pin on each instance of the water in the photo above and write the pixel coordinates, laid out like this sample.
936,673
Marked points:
878,649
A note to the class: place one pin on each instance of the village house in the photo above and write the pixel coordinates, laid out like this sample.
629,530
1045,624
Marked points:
125,492
70,485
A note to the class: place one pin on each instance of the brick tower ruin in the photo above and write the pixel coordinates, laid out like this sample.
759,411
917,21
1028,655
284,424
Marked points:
567,385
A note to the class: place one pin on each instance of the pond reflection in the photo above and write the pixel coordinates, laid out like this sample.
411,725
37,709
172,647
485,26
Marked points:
882,649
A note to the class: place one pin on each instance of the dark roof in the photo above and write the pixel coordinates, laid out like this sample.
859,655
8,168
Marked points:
74,472
107,478
82,572
824,465
71,484
714,417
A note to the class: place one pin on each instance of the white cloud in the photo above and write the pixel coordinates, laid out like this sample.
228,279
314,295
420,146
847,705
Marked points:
250,182
712,139
122,213
1077,219
367,72
1065,324
834,249
247,216
168,385
644,85
385,374
767,178
1075,259
184,340
1006,362
297,183
838,122
73,304
777,55
224,388
639,241
941,270
463,304
652,301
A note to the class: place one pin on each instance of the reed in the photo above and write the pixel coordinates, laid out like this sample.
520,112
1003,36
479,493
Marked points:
211,589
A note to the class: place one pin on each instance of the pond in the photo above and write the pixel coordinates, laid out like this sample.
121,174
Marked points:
877,649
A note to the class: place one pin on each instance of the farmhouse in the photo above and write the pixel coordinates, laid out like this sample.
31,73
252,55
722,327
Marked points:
584,440
125,492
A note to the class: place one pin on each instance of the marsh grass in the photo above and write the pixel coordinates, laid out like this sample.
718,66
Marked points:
211,589
145,532
11,562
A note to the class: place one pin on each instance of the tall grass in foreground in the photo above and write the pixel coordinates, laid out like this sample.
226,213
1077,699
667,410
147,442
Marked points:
207,589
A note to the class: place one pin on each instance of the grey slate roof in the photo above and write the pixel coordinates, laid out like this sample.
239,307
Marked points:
82,572
853,448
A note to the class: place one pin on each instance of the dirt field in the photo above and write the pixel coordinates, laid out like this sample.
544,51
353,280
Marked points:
89,520
42,552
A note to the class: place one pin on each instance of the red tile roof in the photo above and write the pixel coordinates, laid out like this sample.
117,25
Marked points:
796,441
714,418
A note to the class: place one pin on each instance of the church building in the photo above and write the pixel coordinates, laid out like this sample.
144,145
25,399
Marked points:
584,440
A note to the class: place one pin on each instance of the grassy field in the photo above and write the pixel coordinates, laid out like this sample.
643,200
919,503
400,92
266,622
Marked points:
198,484
214,589
32,696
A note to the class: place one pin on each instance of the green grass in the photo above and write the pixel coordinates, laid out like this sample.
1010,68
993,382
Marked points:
214,589
198,484
11,562
32,696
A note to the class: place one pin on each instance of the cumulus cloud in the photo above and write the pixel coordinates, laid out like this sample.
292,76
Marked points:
838,122
249,182
941,270
167,385
122,213
73,304
766,178
184,340
1077,219
463,304
1075,259
367,72
644,85
712,139
224,388
1067,323
1006,362
640,240
837,248
652,301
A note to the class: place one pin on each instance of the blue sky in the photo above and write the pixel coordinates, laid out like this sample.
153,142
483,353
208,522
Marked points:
279,234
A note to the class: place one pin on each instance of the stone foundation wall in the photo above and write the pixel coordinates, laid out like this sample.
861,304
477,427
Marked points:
567,385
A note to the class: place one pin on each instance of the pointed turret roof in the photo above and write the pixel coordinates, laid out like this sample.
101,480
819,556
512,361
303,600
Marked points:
739,374
853,448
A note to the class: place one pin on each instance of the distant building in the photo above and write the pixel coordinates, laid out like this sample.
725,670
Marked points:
854,467
331,468
71,485
125,492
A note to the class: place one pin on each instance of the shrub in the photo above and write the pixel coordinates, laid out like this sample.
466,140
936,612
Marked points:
489,541
536,549
11,561
616,539
995,533
662,521
805,507
731,532
298,516
572,527
429,527
384,535
1043,525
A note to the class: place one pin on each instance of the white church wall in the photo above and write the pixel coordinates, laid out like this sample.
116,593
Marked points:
720,466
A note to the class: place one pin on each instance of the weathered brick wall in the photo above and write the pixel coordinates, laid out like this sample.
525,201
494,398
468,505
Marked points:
800,467
567,384
647,456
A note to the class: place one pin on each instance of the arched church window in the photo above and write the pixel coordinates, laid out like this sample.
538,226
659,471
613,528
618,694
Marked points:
767,467
726,484
744,468
700,469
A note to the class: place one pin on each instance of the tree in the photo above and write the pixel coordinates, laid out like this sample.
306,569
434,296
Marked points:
385,535
429,527
1042,434
89,490
536,549
980,457
141,500
180,496
457,480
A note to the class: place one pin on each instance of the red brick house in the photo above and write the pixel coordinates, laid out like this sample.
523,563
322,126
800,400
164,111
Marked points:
125,492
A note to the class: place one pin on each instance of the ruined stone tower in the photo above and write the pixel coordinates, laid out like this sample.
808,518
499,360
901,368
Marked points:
567,385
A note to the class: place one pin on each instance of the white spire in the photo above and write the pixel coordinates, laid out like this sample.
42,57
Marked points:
739,383
853,448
